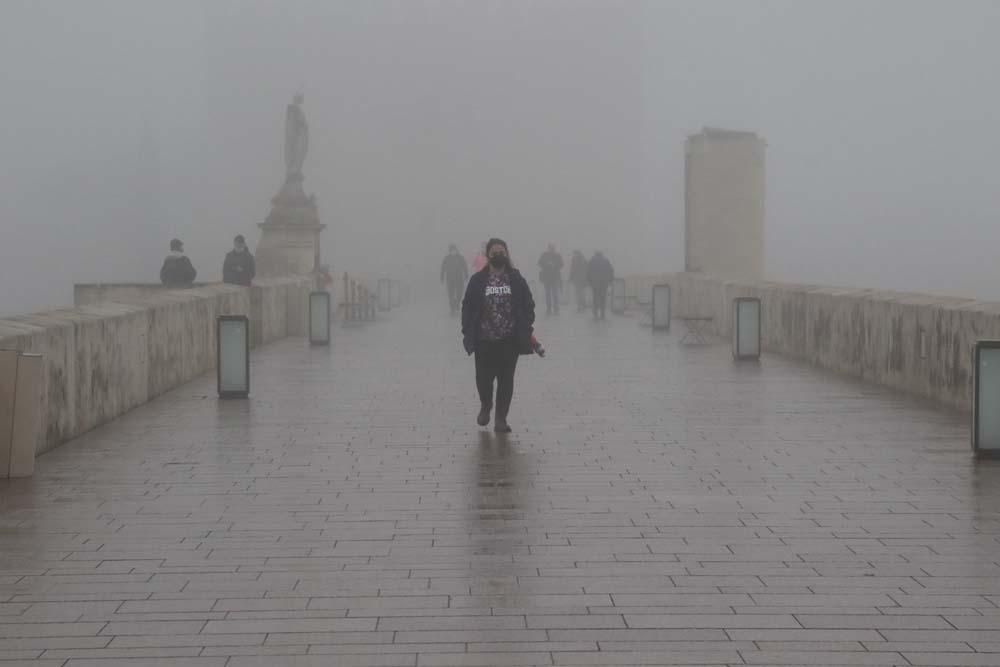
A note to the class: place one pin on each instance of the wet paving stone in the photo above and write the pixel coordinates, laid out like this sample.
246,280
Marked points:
657,504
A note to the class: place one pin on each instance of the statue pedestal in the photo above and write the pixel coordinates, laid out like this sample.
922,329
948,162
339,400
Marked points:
289,239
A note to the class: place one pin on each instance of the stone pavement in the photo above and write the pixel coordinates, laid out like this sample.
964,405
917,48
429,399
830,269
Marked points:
656,505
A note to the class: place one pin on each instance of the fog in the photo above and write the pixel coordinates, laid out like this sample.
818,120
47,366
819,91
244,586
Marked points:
128,123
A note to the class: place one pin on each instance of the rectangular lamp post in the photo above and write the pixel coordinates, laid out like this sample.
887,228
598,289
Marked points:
618,296
232,337
319,318
986,399
746,328
28,402
21,408
8,387
661,307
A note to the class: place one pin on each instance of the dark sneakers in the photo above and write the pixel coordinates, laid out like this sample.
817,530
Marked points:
501,426
484,415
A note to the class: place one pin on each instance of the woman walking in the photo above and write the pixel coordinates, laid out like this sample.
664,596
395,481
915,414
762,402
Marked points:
498,316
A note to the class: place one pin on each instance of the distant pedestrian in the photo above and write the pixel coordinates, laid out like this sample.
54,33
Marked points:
454,273
600,275
578,276
498,316
177,270
551,265
239,267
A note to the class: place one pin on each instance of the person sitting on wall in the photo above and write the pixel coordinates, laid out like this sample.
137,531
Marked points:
177,270
239,267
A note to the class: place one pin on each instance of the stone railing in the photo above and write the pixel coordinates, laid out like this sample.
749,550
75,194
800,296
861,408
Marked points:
106,358
357,299
916,343
87,294
639,288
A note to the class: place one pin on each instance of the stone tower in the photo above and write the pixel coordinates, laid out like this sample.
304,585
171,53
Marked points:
724,194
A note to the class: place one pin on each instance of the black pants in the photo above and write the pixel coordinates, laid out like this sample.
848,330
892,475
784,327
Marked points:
600,300
552,297
455,293
496,360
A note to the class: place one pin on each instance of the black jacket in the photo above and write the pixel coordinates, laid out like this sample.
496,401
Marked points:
551,265
177,271
600,273
454,269
239,268
523,305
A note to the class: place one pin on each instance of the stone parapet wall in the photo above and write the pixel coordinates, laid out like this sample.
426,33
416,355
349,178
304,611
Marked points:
916,343
108,357
87,294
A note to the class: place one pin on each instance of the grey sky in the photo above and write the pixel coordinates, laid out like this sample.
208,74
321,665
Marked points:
127,123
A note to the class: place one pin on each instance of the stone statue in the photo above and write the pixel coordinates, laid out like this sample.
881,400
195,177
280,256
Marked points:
289,237
296,140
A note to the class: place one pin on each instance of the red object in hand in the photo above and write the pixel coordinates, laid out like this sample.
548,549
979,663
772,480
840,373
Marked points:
537,346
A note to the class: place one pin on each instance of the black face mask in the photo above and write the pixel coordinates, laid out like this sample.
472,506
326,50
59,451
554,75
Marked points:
498,261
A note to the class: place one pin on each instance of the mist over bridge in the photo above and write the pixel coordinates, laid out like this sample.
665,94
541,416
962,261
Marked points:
657,503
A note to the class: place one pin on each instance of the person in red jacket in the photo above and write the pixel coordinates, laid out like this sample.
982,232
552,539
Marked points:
480,261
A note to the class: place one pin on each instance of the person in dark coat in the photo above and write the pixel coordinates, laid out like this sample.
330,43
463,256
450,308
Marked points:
498,317
177,270
578,276
600,275
454,273
239,267
551,265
